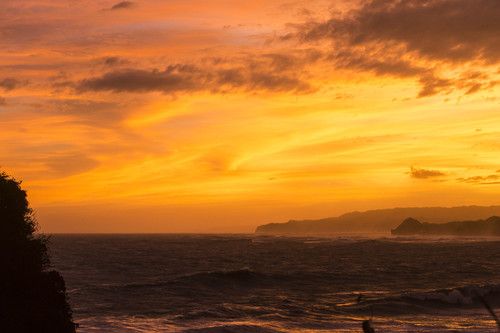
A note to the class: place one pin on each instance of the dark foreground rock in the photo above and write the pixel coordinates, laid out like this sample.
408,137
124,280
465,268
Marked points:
32,297
488,227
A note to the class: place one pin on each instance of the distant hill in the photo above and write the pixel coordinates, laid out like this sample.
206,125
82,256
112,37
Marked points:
380,220
488,227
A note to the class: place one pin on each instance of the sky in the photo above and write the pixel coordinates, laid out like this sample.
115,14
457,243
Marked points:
219,116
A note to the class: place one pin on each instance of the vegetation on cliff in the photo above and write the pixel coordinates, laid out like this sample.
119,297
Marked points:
33,297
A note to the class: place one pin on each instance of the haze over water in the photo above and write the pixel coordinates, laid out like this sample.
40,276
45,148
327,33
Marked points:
248,283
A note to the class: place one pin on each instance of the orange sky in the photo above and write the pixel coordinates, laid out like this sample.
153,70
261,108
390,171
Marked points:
196,116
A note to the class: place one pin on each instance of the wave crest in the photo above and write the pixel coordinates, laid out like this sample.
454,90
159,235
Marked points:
464,295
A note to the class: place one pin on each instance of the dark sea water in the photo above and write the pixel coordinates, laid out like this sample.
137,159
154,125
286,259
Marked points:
252,283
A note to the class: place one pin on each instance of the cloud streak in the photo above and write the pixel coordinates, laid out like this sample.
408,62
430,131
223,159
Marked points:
490,179
182,78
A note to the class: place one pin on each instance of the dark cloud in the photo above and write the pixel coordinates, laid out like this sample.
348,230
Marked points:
284,61
114,61
491,179
123,5
475,87
388,36
424,173
192,78
10,83
456,30
432,85
393,67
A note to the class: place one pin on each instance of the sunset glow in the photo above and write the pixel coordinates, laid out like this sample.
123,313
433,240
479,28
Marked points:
196,116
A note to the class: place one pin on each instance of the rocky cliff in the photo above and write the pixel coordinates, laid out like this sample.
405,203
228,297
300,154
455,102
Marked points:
381,220
488,227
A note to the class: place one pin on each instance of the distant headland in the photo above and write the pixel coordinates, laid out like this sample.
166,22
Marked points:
380,220
488,227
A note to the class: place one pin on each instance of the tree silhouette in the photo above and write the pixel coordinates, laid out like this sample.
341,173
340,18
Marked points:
32,297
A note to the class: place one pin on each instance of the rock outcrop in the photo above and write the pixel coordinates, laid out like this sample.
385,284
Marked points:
487,227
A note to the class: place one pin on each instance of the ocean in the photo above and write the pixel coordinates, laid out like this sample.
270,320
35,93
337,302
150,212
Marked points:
257,283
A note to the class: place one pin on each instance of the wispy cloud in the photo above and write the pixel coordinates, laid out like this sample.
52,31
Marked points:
490,179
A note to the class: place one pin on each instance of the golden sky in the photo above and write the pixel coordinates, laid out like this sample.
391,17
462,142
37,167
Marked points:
211,116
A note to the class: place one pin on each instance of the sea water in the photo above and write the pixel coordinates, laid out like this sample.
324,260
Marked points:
255,283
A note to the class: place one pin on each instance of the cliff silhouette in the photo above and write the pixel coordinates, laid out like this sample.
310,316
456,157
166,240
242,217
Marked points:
488,227
380,220
32,297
